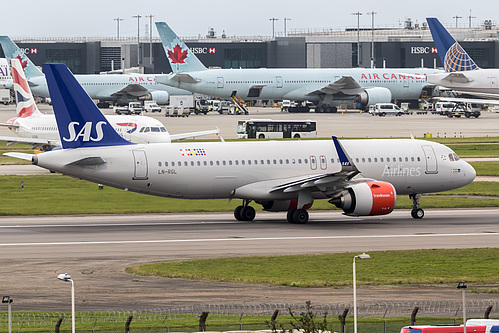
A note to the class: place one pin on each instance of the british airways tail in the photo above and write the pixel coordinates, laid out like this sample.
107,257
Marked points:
11,51
179,55
454,57
80,122
25,103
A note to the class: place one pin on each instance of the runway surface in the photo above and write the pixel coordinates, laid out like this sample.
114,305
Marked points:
95,250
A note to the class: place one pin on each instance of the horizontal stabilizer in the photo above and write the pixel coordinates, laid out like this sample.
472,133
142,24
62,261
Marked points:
183,77
22,156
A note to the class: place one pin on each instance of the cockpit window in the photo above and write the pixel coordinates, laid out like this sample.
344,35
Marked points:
155,129
456,158
148,129
163,130
451,157
142,129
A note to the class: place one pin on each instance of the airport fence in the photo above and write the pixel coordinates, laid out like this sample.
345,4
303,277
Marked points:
373,317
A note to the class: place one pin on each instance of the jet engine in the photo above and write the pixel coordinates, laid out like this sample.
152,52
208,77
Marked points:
161,97
367,199
371,96
282,205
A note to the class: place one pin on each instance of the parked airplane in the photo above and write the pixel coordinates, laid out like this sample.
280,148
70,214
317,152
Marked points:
119,88
326,88
40,130
5,77
362,177
461,72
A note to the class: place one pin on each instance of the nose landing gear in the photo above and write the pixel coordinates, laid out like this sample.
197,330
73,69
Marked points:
244,212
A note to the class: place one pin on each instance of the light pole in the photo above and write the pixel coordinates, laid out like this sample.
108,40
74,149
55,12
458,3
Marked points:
463,286
67,278
372,37
138,38
273,22
285,31
358,37
8,300
457,18
150,37
360,256
118,20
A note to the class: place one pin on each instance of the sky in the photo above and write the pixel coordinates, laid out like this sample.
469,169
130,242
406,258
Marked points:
192,18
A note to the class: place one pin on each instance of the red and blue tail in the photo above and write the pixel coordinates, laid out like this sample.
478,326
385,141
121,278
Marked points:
25,103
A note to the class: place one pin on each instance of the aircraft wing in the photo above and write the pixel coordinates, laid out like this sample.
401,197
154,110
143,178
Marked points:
188,135
331,184
134,90
458,77
346,85
42,144
184,77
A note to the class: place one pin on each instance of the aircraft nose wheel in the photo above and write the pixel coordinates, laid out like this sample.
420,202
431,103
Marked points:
417,213
244,213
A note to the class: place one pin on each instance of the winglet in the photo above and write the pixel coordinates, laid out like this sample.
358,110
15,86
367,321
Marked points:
454,57
346,162
80,122
12,51
179,55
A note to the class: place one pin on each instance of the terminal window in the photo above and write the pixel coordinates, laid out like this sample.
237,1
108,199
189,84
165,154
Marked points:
70,57
242,58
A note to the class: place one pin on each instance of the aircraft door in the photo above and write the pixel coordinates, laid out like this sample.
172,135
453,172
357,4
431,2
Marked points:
220,82
431,160
323,161
278,81
493,81
140,171
313,162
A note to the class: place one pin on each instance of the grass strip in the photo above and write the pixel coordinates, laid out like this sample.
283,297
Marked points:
335,270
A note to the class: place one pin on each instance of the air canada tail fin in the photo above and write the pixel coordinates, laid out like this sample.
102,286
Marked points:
80,122
11,51
454,57
25,103
179,55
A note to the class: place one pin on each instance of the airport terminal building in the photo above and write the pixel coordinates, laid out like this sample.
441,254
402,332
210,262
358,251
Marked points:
407,47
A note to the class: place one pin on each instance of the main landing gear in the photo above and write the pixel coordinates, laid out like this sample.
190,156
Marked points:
416,212
244,212
299,216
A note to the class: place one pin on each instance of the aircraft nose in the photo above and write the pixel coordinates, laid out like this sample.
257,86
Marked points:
469,173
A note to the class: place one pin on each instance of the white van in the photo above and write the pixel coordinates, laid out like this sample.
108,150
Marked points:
383,109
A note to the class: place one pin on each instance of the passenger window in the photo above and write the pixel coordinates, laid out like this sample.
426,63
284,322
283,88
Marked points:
223,162
199,163
237,162
192,163
230,162
211,162
159,164
173,163
166,164
185,163
363,160
205,163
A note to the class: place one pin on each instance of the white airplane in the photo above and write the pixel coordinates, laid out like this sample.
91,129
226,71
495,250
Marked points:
120,88
327,88
461,72
40,130
363,177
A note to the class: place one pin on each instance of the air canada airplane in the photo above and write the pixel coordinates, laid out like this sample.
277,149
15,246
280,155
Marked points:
120,88
362,177
461,72
40,130
327,88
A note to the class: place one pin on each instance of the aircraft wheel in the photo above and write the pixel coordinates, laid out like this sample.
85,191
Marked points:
300,216
417,213
247,213
290,214
237,213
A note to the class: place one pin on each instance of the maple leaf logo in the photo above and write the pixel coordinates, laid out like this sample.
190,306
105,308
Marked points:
24,63
177,56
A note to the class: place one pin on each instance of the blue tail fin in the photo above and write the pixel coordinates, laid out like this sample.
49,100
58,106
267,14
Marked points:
454,57
11,51
179,55
80,122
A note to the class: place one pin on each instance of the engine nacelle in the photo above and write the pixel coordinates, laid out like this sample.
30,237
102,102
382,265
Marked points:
282,205
371,96
367,199
161,97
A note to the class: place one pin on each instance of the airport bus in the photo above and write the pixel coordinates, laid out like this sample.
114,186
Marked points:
275,129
